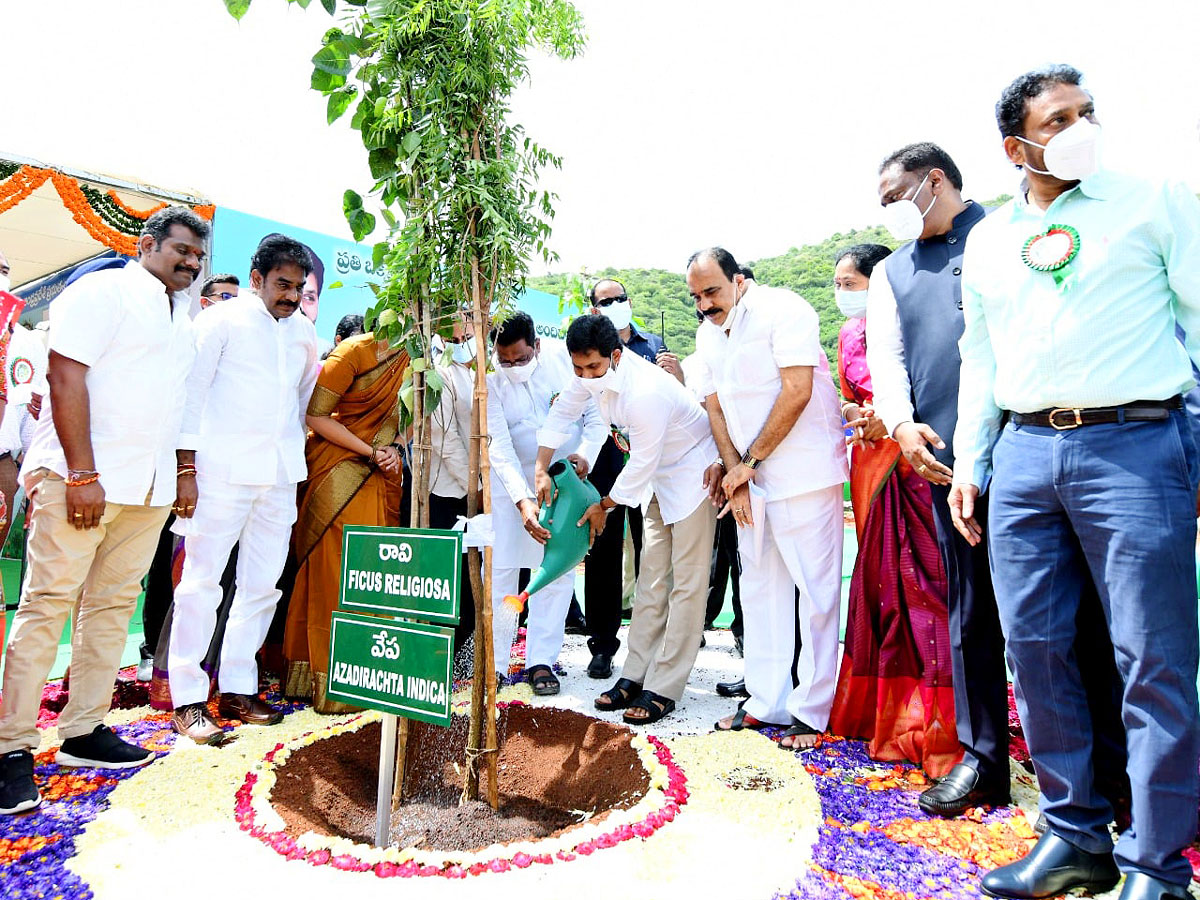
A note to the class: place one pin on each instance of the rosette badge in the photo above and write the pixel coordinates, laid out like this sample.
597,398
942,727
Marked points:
1052,251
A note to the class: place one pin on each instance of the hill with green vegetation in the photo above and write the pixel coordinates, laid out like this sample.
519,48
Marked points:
661,301
662,305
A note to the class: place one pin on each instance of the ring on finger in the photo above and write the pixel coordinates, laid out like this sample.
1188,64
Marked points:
922,468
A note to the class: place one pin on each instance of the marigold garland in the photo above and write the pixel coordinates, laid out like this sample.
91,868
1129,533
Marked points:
101,214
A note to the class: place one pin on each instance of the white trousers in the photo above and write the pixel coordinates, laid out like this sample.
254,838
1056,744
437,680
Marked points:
259,520
546,622
801,548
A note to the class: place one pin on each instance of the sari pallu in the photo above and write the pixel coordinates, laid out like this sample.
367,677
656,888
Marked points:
360,386
894,688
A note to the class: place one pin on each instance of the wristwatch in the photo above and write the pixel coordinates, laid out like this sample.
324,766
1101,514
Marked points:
750,462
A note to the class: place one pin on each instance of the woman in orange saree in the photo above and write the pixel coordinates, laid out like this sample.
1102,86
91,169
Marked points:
894,687
353,479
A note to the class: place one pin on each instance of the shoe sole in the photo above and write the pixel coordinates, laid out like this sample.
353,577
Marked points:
203,742
953,812
23,806
598,674
78,762
1088,887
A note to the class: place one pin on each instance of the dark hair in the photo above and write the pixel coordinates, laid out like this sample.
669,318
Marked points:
921,158
517,327
347,326
747,272
159,225
593,333
314,262
1014,102
223,278
721,257
592,292
276,250
865,256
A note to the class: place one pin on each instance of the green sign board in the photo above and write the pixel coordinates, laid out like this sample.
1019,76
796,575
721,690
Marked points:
407,572
402,668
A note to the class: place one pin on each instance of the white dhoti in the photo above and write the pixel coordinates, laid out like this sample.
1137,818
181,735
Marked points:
513,551
259,520
791,640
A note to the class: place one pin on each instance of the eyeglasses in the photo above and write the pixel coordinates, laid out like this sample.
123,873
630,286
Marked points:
514,363
224,295
608,301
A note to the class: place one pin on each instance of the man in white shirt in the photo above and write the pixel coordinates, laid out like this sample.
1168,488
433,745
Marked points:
450,438
530,374
672,462
243,426
101,475
775,417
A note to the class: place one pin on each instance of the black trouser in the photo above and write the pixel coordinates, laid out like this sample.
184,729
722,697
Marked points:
160,590
602,573
725,566
444,513
976,642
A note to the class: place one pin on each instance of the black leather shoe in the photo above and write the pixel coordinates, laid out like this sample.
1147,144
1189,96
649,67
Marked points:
961,790
732,688
1139,886
600,666
1054,866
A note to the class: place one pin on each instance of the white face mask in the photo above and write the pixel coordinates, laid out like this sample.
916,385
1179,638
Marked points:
5,283
853,304
904,219
519,374
464,353
620,313
602,383
1071,155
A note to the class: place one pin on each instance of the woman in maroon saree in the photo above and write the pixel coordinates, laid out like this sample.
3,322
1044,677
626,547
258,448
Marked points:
894,687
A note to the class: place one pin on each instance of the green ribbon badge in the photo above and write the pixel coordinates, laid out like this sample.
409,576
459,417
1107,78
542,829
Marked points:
1052,251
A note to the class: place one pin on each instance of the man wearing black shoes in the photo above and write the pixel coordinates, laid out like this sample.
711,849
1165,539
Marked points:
101,476
913,325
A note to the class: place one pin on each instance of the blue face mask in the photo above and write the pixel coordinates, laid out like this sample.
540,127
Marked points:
464,353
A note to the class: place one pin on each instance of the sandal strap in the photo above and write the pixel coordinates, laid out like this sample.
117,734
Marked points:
799,729
627,686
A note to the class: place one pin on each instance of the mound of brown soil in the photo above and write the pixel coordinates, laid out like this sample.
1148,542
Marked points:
556,769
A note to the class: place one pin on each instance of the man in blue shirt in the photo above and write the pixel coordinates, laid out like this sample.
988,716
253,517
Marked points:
1070,406
602,573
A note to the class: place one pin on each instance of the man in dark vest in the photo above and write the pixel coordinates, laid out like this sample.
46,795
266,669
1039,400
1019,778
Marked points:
914,322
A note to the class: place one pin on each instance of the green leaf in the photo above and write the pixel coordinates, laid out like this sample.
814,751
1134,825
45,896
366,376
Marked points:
420,364
351,200
334,286
326,81
303,4
330,6
331,58
237,8
362,223
411,142
339,102
382,161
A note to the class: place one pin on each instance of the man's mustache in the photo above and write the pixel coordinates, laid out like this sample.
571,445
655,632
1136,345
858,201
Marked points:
711,311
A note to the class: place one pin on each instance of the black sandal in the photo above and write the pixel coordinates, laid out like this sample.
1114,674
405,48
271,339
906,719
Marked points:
543,680
619,696
739,722
799,729
655,705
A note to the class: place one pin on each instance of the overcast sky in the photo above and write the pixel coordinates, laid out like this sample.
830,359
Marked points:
757,125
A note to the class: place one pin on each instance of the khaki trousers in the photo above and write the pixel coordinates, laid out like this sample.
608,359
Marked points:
101,568
672,592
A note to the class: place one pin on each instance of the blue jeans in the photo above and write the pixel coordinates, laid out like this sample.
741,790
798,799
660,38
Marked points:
1116,504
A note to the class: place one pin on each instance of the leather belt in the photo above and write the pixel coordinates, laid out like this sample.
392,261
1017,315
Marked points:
1068,418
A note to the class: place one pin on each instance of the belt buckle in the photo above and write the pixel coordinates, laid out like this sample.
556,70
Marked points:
1070,425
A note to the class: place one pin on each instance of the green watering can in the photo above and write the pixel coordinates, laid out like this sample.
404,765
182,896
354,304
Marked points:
568,543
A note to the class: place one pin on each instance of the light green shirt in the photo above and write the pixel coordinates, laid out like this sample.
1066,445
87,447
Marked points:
1106,338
